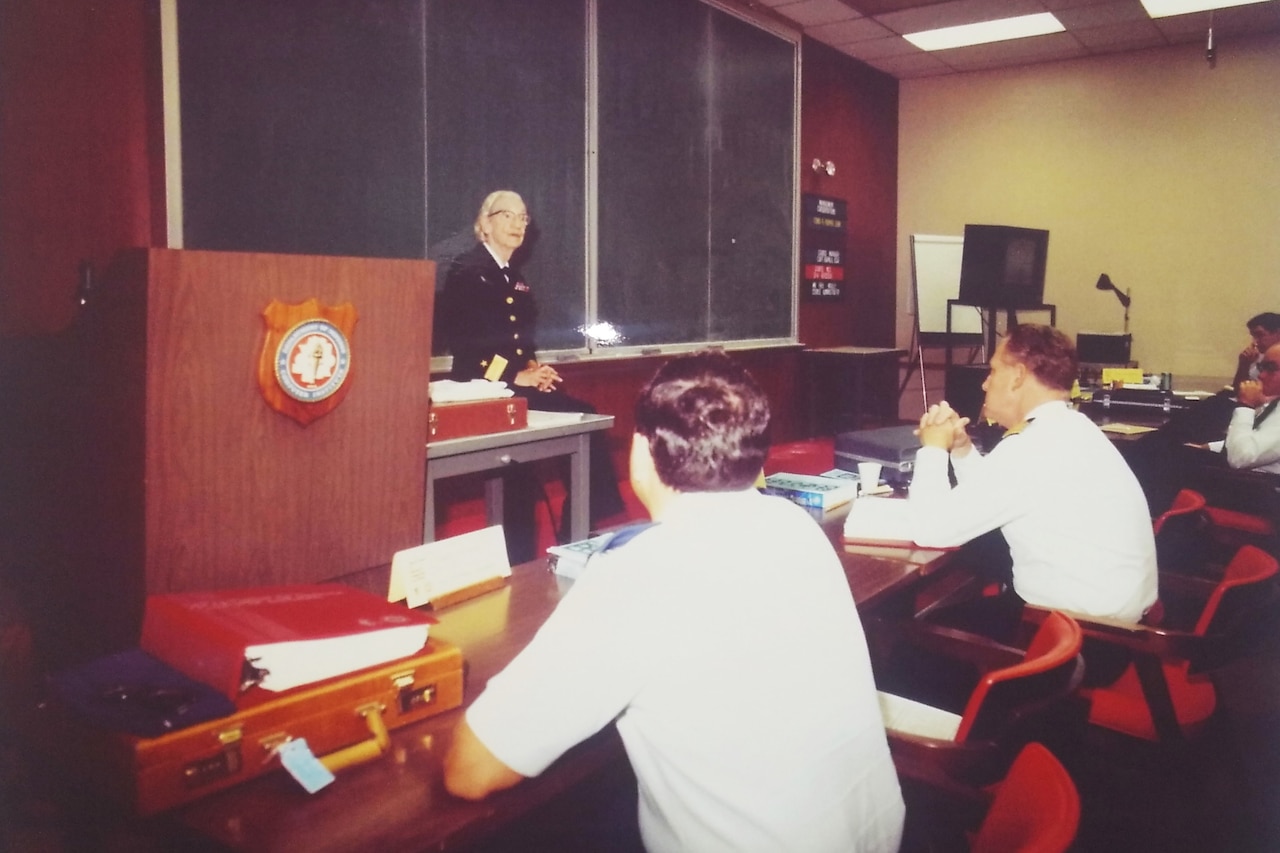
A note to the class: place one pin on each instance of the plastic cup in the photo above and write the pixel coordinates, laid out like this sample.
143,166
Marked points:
868,476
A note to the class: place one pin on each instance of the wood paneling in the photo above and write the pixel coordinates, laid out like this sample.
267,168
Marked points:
223,490
849,115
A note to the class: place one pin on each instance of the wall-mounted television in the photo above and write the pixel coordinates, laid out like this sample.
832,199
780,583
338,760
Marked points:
1002,266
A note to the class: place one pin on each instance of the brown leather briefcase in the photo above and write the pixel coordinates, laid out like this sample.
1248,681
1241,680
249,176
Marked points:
478,417
344,721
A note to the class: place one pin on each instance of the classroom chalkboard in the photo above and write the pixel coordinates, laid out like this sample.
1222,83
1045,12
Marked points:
935,272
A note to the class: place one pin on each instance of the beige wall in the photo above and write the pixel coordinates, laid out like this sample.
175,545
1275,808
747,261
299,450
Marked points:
1150,167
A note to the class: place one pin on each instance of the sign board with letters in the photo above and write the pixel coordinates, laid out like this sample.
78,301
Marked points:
823,251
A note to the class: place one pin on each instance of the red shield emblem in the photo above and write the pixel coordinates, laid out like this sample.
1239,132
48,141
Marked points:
305,367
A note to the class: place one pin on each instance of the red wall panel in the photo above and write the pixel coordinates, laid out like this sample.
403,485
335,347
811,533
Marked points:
75,167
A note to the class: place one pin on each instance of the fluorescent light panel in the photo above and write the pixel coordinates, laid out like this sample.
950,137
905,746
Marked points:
1167,8
986,31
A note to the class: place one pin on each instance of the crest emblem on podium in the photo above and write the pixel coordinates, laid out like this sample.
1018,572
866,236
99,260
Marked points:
304,371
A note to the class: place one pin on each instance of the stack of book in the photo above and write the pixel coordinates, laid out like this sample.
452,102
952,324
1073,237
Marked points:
280,637
811,491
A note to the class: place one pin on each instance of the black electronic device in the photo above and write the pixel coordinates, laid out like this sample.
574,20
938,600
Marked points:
1002,266
894,447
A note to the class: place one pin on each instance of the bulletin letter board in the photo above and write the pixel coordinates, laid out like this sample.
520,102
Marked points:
824,241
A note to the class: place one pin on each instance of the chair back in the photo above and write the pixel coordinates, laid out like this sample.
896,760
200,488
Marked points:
1238,591
1050,671
1187,502
1036,808
1182,533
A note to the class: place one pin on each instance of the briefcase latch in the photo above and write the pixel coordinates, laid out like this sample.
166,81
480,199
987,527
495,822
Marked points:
412,696
226,762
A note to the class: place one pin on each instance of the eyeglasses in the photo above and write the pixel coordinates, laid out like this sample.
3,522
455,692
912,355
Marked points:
1268,367
510,216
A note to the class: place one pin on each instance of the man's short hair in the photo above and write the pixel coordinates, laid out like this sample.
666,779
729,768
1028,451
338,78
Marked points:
1046,352
707,423
1268,320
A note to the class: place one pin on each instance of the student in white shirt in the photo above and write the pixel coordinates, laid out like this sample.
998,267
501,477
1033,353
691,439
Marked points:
1072,512
724,642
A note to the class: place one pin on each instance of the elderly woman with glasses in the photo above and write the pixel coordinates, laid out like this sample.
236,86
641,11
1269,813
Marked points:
487,318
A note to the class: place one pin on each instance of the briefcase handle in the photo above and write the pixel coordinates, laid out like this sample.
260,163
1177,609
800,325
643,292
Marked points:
367,750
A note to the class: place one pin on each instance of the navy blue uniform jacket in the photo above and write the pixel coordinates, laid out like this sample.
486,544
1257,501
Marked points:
482,314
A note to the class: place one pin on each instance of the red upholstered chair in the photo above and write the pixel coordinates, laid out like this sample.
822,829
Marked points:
1036,808
1164,693
1022,696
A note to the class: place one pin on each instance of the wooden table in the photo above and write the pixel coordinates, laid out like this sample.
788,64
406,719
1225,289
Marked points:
398,802
549,434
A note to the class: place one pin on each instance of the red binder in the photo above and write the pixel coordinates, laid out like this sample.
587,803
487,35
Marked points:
278,637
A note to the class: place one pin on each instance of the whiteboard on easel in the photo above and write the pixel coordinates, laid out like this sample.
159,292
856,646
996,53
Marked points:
935,267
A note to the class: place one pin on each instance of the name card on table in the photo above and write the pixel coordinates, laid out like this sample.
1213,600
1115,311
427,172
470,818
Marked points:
451,569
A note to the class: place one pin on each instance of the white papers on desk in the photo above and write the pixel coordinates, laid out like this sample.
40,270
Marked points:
547,419
426,572
879,521
449,391
1126,429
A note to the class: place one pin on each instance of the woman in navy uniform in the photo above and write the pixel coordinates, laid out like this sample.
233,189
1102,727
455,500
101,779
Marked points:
487,318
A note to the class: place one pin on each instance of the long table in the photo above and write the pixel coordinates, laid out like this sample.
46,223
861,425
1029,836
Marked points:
398,801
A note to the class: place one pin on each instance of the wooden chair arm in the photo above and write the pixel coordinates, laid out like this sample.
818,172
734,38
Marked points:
945,764
1164,643
1186,586
983,652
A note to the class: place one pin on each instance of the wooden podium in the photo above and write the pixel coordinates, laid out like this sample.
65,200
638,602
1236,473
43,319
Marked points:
198,483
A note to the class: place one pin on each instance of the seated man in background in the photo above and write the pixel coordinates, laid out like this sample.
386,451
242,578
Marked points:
724,641
1071,510
1253,436
1264,333
1166,461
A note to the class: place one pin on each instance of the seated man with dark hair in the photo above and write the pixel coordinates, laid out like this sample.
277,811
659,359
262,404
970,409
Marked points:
723,640
1071,510
1253,436
1264,333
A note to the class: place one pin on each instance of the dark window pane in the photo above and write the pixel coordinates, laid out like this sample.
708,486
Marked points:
506,110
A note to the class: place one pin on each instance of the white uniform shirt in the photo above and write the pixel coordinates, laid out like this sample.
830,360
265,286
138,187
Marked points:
1257,449
726,643
1075,518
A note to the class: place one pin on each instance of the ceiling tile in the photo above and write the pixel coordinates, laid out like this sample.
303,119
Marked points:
848,32
1130,34
870,30
810,13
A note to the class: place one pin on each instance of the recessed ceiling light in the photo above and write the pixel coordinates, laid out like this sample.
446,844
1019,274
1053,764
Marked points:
1166,8
986,31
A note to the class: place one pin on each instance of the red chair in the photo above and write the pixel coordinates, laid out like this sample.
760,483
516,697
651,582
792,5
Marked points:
1021,697
1184,542
1187,502
1164,694
1036,808
1243,506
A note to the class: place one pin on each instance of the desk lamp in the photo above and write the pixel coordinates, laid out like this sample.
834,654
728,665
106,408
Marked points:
1105,283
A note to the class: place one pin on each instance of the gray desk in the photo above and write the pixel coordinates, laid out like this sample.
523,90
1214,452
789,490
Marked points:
549,434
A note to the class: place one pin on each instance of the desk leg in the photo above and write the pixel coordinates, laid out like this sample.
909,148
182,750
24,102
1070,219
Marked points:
429,517
859,392
580,488
493,508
